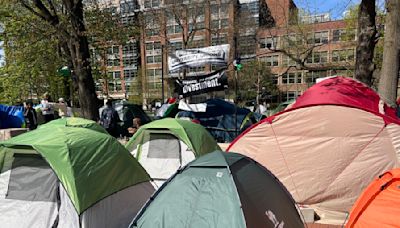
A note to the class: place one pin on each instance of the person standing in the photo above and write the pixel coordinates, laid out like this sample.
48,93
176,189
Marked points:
62,108
47,108
30,116
109,119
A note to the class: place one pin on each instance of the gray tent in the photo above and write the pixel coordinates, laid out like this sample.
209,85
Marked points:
220,190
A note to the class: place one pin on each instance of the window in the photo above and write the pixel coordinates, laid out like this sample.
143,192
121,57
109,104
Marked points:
152,25
196,17
197,43
219,23
290,95
293,40
148,4
219,16
343,35
129,49
219,39
196,26
129,61
196,69
219,10
113,50
112,62
287,61
128,20
275,78
269,42
129,74
153,73
317,38
153,59
115,74
128,7
312,76
318,57
173,29
343,55
272,60
175,45
152,31
292,78
321,37
153,52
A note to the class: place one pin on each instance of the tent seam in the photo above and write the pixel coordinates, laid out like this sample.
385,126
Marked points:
284,158
366,145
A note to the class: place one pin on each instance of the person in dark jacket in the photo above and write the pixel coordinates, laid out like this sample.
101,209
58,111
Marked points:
30,116
109,119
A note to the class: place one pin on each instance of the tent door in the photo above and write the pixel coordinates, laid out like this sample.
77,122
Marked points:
30,198
162,154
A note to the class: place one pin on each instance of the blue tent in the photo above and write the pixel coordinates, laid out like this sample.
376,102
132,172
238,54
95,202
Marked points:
219,119
11,116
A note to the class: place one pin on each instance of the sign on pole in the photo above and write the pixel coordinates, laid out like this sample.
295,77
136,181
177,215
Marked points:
202,84
196,57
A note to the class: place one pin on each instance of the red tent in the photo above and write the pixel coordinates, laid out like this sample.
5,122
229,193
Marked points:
327,147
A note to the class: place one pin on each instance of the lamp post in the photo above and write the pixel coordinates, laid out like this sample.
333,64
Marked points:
162,73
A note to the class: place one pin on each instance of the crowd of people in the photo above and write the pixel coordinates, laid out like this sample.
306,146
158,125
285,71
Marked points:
49,110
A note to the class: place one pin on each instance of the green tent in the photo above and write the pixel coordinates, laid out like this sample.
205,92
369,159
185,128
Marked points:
76,122
165,145
220,190
86,169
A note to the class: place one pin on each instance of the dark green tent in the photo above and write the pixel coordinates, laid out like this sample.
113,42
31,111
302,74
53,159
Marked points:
220,190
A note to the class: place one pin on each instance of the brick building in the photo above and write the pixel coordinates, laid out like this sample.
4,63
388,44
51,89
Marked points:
255,29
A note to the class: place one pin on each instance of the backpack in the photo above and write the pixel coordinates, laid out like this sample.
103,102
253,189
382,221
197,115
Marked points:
107,118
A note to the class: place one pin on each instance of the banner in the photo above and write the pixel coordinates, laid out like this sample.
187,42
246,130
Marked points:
202,84
197,57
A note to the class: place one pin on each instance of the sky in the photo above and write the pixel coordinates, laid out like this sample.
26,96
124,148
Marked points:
335,7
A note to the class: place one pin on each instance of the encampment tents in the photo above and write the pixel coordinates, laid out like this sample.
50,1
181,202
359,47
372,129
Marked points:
220,190
328,146
62,176
165,145
224,120
378,205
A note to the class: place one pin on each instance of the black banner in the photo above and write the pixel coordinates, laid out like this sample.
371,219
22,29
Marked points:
202,84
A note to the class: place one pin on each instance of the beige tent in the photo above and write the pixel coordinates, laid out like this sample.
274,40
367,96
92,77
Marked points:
328,146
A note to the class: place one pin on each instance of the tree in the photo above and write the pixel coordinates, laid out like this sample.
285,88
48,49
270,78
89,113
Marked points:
107,29
255,82
67,20
29,45
391,54
367,39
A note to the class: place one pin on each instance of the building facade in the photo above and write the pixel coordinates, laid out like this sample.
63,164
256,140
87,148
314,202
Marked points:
298,49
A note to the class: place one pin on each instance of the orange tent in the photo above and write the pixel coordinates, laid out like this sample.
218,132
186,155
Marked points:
378,205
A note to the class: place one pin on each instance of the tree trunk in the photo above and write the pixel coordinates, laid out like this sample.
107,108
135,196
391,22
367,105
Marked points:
366,42
390,66
79,48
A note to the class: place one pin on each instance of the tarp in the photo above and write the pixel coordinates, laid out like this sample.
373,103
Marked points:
378,205
328,146
220,118
11,116
193,135
90,165
215,191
